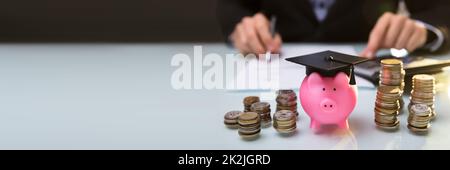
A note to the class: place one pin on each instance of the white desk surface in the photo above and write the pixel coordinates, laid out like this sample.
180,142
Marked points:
119,96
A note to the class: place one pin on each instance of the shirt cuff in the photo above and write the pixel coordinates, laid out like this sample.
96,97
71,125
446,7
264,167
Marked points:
438,41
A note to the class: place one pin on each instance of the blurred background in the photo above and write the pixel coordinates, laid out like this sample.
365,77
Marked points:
108,21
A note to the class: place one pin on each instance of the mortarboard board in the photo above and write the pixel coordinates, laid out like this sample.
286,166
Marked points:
329,63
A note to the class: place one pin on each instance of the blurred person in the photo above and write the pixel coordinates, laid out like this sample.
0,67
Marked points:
415,25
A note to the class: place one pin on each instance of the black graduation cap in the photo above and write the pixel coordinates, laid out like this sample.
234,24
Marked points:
329,63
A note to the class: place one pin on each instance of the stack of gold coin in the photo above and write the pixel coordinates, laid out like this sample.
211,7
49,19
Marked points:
284,121
419,117
393,74
231,119
387,106
287,100
423,91
249,125
248,101
263,109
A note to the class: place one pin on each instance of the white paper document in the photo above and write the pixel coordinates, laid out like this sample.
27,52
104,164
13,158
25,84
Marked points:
282,74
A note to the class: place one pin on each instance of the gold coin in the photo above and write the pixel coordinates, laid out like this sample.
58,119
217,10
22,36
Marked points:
428,101
248,116
249,136
422,94
287,96
284,115
285,91
422,87
423,77
286,131
391,118
393,106
387,98
415,129
249,100
284,126
260,107
389,89
386,111
391,62
232,115
286,103
388,125
390,82
250,123
285,123
385,122
418,124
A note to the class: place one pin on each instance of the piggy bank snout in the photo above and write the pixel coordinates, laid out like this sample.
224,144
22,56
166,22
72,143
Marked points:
328,105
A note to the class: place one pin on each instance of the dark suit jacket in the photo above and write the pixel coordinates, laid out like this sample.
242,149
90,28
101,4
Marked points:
347,20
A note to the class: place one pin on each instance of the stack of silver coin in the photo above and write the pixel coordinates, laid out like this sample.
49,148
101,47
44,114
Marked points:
419,118
423,91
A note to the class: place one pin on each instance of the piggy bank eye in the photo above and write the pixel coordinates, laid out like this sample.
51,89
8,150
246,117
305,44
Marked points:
323,89
334,89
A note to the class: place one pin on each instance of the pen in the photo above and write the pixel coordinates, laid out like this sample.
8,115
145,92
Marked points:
273,20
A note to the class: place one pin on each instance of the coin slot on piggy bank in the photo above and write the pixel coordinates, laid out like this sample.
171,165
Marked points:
328,93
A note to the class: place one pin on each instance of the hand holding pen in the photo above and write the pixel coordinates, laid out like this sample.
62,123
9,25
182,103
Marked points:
253,35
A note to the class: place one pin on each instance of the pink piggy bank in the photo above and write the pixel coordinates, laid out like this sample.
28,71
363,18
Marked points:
328,100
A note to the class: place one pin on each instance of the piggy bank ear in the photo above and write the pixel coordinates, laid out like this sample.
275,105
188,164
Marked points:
341,79
314,79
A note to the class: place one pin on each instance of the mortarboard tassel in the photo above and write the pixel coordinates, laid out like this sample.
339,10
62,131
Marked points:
352,75
352,69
